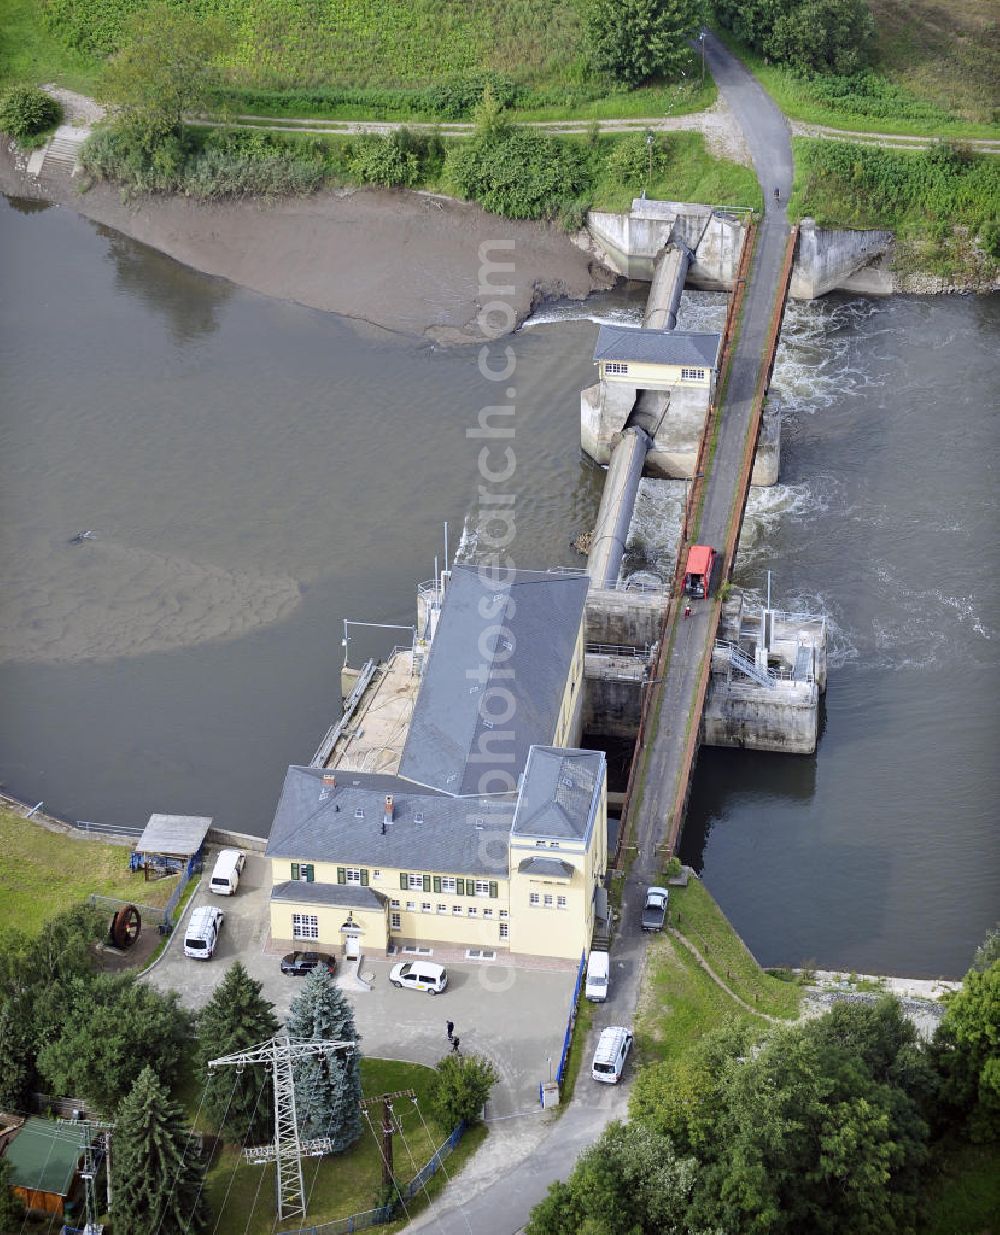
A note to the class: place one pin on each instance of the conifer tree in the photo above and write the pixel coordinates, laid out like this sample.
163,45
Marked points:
239,1105
327,1087
156,1176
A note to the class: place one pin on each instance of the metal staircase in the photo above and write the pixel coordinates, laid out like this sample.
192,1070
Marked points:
742,663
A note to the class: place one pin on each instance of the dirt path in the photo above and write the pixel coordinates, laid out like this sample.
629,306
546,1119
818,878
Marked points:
889,141
766,1016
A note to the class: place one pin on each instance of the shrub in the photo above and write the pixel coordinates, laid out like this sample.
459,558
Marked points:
389,161
519,173
25,111
632,159
822,35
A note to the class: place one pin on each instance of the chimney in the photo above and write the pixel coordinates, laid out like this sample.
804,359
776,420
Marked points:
388,808
330,779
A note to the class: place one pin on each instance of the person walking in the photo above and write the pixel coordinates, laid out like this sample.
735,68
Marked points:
451,1030
454,1045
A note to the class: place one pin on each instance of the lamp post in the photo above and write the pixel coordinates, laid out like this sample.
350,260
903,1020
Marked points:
701,40
649,151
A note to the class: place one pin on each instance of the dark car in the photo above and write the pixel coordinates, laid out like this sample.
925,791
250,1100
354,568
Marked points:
301,963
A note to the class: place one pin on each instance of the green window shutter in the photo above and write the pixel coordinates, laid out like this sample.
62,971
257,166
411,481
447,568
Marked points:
460,886
404,885
427,883
364,876
295,871
437,883
341,875
470,886
309,872
494,889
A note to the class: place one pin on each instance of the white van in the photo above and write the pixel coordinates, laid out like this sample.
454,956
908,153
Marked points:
613,1047
420,976
598,977
228,868
202,932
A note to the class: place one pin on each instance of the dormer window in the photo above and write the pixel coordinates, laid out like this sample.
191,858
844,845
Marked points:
359,813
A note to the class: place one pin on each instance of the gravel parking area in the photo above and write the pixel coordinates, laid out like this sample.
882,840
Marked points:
516,1016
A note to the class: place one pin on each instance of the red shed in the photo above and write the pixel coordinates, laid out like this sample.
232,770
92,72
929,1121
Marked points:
698,572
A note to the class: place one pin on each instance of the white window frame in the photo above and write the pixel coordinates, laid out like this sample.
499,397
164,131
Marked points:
456,911
305,926
560,902
487,913
692,375
442,908
504,915
473,911
411,906
504,930
616,366
534,899
449,884
394,902
425,907
353,875
416,883
482,887
394,922
548,900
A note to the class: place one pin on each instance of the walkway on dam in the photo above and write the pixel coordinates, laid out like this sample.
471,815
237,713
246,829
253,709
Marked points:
521,1159
677,703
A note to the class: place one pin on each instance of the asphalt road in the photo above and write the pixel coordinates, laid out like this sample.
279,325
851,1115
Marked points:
502,1205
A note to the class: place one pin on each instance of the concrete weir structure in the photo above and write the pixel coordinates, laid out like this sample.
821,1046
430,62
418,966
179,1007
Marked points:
647,415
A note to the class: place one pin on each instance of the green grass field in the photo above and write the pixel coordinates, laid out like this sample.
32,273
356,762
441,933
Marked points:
29,53
929,93
43,872
680,1001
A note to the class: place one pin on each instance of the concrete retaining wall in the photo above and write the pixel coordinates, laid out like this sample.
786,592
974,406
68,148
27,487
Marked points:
826,259
631,619
611,707
783,720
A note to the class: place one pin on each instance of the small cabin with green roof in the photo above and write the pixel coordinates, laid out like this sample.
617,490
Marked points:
44,1159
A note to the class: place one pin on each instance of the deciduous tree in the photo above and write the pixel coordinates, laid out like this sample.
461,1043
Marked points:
327,1087
461,1088
967,1049
164,68
156,1173
239,1105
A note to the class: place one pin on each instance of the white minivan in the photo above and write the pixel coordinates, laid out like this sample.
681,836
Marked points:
228,868
598,977
420,976
613,1048
202,932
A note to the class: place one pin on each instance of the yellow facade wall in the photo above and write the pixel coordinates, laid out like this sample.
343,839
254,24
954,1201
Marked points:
654,376
563,735
372,923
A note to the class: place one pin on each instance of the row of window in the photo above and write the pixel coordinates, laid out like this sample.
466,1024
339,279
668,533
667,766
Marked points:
360,876
537,901
455,911
395,923
305,926
621,369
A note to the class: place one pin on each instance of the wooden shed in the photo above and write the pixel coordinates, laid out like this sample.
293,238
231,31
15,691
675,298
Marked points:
44,1160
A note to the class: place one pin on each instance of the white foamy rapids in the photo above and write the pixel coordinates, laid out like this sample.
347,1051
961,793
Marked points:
702,311
814,365
468,542
766,508
654,533
586,311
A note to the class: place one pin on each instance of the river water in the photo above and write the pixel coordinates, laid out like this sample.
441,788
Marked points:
255,472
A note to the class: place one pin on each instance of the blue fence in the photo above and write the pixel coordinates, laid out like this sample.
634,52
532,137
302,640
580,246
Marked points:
193,865
571,1022
388,1213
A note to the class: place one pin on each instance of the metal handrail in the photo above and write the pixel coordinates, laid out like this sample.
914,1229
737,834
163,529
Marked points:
619,649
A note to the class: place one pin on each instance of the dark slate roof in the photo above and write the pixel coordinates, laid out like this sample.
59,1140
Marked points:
548,868
558,793
349,895
44,1156
676,347
540,614
431,831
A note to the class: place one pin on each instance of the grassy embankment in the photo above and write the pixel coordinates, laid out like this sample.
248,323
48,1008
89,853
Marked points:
680,1001
43,872
936,74
417,60
963,1190
941,203
242,1197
